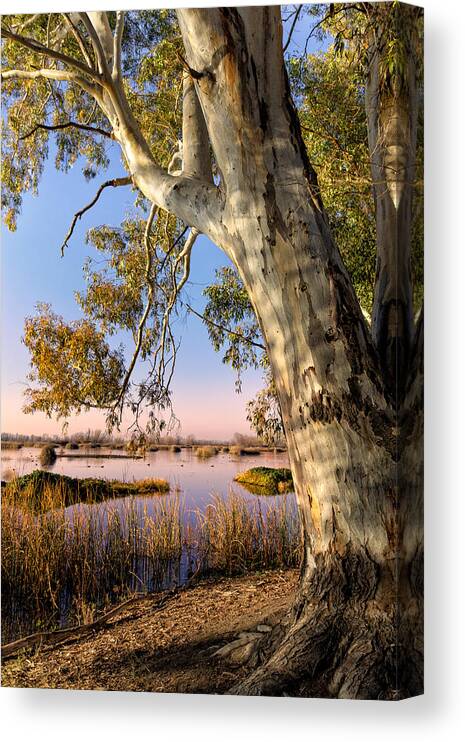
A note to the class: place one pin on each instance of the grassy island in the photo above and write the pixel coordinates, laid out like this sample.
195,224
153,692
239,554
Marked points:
264,480
44,490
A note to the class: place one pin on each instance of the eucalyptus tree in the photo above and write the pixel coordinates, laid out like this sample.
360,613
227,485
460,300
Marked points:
350,394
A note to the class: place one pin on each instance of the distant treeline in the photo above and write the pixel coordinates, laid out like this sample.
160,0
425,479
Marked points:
98,438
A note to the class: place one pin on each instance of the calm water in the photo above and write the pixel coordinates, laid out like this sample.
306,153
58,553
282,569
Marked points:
195,479
193,482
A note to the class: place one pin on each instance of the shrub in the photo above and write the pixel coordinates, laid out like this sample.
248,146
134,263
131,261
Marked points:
71,446
47,456
236,450
205,452
265,480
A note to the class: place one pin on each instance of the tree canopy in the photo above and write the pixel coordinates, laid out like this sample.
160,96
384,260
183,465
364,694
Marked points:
135,284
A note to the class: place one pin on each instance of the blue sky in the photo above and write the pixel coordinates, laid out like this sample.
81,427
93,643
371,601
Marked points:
204,397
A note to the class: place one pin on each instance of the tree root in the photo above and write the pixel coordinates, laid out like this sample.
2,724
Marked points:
352,653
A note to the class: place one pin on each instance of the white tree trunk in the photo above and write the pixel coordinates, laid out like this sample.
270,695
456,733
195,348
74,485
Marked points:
392,119
344,437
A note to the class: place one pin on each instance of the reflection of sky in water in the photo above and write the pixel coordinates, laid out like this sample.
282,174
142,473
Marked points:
193,480
194,483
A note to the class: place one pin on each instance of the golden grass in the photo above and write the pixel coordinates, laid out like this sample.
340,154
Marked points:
206,452
235,537
266,480
43,490
66,564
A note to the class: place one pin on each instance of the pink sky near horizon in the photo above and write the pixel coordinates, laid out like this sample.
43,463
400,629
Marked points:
212,413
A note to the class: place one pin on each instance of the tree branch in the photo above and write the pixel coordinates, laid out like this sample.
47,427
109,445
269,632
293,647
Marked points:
96,43
198,203
115,183
68,124
81,43
225,329
294,22
140,329
196,144
51,74
99,20
37,46
117,41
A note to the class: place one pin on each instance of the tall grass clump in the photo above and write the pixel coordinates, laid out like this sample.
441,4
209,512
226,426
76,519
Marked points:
47,456
236,537
206,452
60,565
57,564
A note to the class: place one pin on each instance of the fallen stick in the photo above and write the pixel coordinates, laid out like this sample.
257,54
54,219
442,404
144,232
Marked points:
76,632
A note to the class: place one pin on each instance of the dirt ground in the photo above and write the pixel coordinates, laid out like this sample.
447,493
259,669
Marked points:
169,650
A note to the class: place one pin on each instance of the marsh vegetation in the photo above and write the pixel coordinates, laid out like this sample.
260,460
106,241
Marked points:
62,565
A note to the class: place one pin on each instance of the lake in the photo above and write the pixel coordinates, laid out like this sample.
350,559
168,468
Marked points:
194,483
194,478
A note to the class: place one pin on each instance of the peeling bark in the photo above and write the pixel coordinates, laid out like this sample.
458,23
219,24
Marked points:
353,452
392,117
355,446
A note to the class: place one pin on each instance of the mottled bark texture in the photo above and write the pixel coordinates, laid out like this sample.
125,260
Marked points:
355,448
354,434
392,117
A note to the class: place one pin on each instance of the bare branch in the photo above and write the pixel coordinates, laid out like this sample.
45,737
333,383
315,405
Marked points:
141,327
36,46
117,41
50,74
159,357
294,22
68,124
115,183
225,329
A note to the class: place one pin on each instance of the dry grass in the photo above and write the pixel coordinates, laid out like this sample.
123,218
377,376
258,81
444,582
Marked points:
206,452
65,565
235,537
241,451
43,490
47,456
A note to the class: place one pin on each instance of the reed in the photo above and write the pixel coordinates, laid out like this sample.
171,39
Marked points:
57,564
206,452
235,536
48,456
62,566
